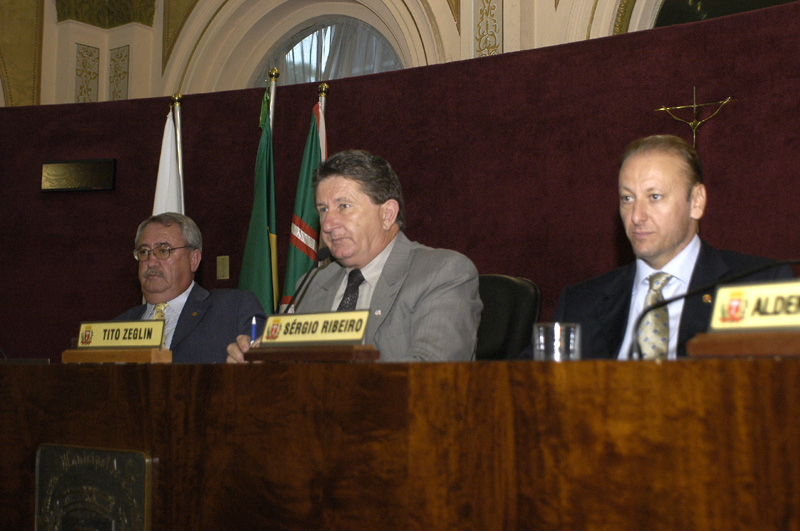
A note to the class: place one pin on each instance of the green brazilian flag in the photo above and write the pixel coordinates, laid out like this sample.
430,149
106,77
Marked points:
259,272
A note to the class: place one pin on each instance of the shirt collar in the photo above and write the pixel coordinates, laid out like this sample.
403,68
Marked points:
372,271
175,304
680,267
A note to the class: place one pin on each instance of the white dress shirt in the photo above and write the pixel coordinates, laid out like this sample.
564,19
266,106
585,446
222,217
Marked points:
681,268
171,314
371,272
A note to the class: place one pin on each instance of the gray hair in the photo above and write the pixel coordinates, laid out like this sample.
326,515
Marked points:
189,230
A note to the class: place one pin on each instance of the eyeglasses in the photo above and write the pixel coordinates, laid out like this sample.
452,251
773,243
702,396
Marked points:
142,254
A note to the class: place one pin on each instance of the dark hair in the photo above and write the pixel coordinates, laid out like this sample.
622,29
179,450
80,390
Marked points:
189,230
375,176
668,144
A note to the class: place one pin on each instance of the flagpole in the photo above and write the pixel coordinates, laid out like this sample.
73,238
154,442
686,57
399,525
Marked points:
323,137
176,113
273,82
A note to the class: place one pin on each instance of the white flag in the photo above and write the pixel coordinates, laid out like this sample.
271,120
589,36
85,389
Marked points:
169,187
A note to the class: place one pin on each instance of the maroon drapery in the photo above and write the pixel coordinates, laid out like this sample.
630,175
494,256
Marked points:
509,159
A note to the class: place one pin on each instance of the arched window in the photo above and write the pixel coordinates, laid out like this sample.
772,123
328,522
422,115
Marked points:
336,48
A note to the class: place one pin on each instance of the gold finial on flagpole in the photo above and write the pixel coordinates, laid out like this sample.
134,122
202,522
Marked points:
323,90
176,98
274,74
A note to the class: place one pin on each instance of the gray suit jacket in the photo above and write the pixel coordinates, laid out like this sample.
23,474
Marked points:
425,306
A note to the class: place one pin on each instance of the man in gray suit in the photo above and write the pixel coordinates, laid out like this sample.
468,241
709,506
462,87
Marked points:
423,302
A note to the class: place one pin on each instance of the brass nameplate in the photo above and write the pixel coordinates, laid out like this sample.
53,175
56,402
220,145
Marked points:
315,328
766,306
89,488
75,175
128,334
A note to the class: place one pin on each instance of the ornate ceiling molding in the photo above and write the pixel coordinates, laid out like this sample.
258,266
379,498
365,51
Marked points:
107,15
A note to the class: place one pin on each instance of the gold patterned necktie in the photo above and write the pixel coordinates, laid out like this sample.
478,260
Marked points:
158,315
350,297
653,332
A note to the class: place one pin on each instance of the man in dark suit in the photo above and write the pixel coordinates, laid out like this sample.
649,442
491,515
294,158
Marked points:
199,324
662,198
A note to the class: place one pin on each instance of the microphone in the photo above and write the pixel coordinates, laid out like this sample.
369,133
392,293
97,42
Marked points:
322,255
635,352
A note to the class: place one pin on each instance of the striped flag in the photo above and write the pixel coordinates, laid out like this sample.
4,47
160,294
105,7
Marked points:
259,272
305,220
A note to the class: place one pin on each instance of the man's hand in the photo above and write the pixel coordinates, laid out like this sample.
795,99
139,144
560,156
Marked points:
236,350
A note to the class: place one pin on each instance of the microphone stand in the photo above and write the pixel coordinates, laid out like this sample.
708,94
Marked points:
322,255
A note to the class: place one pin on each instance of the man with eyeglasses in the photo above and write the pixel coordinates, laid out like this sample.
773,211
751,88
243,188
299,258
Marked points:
199,324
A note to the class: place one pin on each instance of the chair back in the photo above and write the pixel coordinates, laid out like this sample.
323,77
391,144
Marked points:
510,307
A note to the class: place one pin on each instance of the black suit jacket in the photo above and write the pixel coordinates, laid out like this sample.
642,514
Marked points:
210,320
601,304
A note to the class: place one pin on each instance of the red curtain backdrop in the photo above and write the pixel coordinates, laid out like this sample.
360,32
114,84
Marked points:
510,160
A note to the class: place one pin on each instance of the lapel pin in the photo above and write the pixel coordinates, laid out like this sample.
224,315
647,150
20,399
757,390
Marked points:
707,298
194,314
377,312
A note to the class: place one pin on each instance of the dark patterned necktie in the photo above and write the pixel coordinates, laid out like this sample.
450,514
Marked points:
350,298
654,330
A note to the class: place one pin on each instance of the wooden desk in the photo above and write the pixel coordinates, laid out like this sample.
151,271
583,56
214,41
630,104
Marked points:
695,444
117,355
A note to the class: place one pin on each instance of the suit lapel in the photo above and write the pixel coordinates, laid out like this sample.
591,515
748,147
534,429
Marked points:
329,287
696,314
614,314
193,311
391,280
138,312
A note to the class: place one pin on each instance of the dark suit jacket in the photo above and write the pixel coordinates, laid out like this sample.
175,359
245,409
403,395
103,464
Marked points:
208,323
601,304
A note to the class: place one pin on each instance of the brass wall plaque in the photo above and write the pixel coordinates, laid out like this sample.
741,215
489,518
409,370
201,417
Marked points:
92,489
78,175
